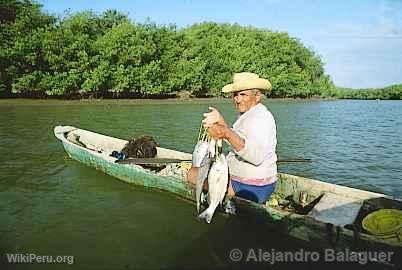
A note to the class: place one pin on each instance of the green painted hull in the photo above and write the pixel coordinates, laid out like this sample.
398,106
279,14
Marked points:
130,173
300,226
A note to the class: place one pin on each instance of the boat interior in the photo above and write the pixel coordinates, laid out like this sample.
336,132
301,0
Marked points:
106,145
329,203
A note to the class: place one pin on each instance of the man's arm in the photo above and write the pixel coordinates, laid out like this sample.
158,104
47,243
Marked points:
257,146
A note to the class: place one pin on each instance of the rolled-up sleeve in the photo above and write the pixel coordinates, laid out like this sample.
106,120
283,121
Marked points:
259,135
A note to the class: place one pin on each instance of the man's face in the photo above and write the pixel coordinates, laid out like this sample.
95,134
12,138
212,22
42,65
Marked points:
246,99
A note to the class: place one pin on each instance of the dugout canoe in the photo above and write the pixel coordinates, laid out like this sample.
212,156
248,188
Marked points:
322,214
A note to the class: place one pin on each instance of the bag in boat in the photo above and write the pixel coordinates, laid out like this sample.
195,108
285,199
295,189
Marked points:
142,147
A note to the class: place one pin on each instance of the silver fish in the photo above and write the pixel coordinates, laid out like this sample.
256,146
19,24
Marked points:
201,159
200,153
202,175
217,186
204,167
212,147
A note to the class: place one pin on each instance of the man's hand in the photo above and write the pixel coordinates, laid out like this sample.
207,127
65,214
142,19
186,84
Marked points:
218,131
213,117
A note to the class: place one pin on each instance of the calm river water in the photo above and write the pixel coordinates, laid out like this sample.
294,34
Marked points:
51,205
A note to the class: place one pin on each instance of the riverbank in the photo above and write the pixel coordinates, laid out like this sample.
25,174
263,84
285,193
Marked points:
102,101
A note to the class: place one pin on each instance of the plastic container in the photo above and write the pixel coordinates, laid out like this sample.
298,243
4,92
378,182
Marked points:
385,224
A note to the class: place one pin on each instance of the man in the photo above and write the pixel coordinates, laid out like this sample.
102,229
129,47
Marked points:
252,159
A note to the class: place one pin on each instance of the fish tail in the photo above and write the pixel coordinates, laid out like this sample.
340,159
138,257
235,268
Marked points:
207,215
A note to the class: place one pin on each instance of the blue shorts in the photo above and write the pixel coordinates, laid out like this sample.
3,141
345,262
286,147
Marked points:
258,194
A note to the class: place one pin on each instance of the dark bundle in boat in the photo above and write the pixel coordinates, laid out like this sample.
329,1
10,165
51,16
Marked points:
142,147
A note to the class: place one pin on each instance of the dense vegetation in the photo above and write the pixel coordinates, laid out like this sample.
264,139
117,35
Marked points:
389,92
107,55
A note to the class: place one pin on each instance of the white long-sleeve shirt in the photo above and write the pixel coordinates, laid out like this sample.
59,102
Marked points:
257,160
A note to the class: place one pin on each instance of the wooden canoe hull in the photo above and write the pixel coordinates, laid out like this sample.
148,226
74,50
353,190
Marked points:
300,226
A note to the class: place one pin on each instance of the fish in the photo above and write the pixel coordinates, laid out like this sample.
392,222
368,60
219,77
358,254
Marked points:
203,154
202,175
211,147
200,153
201,159
217,186
205,165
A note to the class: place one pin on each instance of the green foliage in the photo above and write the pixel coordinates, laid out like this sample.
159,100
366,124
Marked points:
86,54
389,92
222,49
21,24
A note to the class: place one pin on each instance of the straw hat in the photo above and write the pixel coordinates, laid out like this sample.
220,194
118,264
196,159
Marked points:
247,80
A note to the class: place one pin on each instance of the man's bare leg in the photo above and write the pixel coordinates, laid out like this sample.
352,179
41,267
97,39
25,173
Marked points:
192,175
231,192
